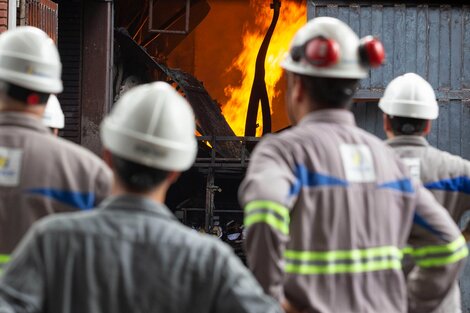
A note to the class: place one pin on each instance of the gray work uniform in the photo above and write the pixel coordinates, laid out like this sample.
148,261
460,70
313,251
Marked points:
328,210
447,177
41,174
129,255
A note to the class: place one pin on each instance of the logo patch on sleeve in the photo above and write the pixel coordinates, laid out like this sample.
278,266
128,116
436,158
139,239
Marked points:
358,163
414,166
10,166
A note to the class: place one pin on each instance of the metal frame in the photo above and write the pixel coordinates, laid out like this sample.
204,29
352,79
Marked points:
12,5
220,162
165,31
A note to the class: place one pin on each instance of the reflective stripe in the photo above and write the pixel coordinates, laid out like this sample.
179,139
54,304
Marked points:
269,219
268,212
448,248
269,205
441,261
343,268
343,261
4,258
440,255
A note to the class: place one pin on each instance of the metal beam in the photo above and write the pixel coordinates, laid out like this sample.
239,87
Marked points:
12,5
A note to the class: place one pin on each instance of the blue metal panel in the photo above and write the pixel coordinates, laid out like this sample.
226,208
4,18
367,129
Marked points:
431,40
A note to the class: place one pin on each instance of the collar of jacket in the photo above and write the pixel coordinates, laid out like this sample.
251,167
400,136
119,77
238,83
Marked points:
337,116
137,204
23,120
407,141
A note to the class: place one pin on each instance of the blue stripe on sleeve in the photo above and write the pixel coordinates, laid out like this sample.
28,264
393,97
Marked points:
79,200
305,178
419,220
456,184
403,185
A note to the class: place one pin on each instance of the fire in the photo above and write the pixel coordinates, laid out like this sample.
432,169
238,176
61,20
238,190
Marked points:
292,16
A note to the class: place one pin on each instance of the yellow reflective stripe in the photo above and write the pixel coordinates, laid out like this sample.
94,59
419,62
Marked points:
4,258
304,269
355,254
269,219
441,261
447,248
268,205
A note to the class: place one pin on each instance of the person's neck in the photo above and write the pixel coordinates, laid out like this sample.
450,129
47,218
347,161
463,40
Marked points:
158,194
10,105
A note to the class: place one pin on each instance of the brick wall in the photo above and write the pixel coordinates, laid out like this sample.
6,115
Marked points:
3,15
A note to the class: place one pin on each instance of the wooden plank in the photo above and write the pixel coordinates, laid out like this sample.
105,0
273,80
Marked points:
359,110
376,75
443,133
365,30
466,47
371,117
455,113
434,47
332,10
410,39
321,11
343,14
433,135
354,18
379,125
388,41
465,130
422,57
399,41
444,47
456,50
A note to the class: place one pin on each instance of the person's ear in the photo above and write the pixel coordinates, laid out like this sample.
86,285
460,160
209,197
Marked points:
387,124
427,128
107,157
173,177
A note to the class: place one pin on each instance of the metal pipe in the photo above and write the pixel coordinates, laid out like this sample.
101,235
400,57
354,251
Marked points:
12,5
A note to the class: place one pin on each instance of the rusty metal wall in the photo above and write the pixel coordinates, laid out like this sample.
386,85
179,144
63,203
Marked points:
42,14
432,40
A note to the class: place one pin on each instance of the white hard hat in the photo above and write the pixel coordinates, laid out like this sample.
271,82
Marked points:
410,95
152,125
327,47
53,116
29,59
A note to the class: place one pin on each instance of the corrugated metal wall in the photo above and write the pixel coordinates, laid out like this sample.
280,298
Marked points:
70,47
431,40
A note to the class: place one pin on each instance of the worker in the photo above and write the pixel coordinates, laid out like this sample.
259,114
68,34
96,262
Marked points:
40,174
133,255
329,207
53,116
409,105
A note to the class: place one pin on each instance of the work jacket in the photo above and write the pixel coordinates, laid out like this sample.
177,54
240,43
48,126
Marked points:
447,177
129,255
329,209
41,174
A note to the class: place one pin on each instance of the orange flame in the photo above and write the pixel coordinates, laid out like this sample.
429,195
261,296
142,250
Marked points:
293,15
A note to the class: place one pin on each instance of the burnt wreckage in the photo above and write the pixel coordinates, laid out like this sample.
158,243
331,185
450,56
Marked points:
205,197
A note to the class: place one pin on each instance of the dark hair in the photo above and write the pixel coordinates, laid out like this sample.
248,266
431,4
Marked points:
407,125
24,95
330,92
137,177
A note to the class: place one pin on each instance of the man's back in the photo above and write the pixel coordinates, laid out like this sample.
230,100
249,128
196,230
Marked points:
41,175
130,255
447,176
347,207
